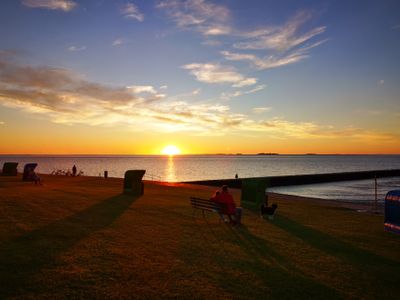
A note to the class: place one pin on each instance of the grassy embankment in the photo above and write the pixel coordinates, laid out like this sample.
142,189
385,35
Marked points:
79,237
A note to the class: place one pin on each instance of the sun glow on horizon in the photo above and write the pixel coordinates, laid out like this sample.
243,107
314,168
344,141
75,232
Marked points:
171,150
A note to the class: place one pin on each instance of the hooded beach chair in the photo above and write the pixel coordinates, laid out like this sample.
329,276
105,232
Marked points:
29,172
9,169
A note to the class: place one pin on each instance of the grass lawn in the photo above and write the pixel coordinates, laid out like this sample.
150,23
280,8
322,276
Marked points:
81,238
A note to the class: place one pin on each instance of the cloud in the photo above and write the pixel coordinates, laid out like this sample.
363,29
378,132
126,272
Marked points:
227,96
131,11
2,123
142,89
65,5
164,87
273,61
76,48
65,97
245,82
286,44
381,82
196,91
259,110
203,16
215,73
281,38
118,42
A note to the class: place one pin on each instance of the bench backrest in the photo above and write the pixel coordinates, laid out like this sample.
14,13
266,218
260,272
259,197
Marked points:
206,204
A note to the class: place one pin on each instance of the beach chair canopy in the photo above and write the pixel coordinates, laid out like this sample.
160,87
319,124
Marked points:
133,183
9,169
392,211
27,170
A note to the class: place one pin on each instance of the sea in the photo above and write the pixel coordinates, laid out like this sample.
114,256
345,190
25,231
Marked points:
182,168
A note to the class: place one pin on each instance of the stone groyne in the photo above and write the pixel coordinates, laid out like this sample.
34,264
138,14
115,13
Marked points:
272,181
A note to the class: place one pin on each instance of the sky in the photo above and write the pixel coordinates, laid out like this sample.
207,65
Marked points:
230,76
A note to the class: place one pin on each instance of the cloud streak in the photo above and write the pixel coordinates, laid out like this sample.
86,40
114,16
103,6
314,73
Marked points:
215,73
227,96
76,48
131,11
205,17
272,61
281,38
259,110
64,5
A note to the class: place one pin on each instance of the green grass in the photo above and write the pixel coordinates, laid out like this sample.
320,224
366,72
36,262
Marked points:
81,238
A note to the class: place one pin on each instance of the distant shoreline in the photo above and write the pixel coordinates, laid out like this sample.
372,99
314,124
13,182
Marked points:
195,155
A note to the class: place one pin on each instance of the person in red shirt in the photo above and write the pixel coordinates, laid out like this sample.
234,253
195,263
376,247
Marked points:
230,209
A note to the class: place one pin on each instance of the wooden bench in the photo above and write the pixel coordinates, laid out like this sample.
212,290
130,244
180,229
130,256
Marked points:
207,205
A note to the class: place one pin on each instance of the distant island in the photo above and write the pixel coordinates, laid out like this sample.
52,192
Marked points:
270,153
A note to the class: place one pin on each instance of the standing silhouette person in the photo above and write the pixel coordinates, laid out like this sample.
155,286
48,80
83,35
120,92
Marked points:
74,170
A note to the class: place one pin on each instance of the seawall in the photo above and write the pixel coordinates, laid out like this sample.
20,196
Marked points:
302,179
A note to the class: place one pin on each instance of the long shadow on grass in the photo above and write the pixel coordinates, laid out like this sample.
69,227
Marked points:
261,273
332,245
384,271
21,258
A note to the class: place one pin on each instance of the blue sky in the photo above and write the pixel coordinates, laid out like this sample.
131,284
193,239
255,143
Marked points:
301,74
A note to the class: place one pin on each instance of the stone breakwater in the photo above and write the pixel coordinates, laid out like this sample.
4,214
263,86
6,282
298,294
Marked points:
273,181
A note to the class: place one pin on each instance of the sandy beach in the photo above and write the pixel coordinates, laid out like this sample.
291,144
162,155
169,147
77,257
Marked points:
79,237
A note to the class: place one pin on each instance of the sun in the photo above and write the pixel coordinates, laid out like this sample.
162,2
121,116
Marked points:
171,150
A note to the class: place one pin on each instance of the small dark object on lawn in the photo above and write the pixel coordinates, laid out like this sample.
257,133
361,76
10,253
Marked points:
268,210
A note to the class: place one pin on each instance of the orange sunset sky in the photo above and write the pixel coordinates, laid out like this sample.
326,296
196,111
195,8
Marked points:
132,77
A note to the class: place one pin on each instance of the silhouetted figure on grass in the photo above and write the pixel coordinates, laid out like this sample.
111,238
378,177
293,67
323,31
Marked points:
268,210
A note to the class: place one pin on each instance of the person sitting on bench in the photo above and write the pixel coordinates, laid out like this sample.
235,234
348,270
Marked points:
230,207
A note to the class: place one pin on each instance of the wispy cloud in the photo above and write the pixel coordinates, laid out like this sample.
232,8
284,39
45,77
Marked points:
273,61
227,96
285,44
203,16
131,11
215,73
196,92
118,42
64,5
281,38
259,110
2,123
146,89
76,48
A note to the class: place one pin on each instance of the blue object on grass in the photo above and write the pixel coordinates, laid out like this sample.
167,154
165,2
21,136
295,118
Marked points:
392,211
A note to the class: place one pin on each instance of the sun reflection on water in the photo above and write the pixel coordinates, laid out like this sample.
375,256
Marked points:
170,171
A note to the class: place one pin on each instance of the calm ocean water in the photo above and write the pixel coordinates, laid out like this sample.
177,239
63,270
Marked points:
199,167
